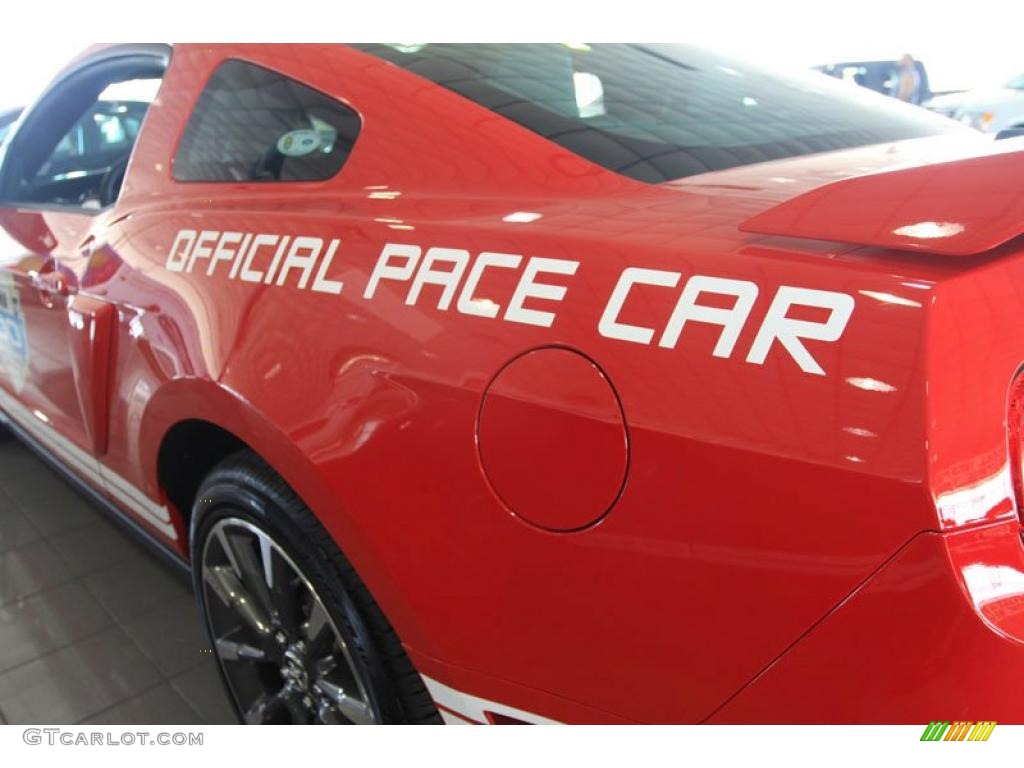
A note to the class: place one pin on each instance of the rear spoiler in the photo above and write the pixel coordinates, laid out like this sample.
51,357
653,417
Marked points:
957,208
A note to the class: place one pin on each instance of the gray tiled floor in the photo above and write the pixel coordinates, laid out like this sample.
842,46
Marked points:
93,629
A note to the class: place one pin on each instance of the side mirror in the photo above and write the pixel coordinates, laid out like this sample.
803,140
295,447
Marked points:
1010,133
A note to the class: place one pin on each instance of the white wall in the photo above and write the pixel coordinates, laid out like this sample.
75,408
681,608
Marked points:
964,43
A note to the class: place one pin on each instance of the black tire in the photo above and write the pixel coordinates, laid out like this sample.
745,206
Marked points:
244,487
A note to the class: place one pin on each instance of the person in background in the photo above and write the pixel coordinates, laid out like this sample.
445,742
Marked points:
906,86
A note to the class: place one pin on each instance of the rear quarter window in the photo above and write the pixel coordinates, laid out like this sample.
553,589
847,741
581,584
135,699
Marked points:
253,124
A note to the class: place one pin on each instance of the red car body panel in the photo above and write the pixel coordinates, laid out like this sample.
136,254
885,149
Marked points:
958,207
726,533
962,591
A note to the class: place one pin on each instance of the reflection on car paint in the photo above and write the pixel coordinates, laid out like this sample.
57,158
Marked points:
14,354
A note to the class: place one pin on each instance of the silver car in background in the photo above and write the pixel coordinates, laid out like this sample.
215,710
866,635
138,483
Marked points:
999,111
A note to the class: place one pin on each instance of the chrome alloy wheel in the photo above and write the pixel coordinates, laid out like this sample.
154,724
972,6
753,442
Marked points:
283,657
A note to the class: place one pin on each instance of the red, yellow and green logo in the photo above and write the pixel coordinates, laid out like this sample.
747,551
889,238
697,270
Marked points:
960,731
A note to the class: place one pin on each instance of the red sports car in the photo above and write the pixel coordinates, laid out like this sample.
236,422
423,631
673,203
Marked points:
532,383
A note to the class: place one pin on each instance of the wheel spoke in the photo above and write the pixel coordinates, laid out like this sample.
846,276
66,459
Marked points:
292,700
327,714
253,575
229,650
266,559
269,707
323,667
353,709
226,585
264,708
317,629
280,580
229,551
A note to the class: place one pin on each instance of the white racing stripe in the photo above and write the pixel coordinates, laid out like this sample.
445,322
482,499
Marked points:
474,708
122,486
86,466
451,719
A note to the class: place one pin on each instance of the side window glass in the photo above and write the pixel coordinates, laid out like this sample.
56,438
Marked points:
87,165
252,124
106,132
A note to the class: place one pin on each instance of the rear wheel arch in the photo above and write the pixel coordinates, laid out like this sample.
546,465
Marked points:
188,452
182,414
189,425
